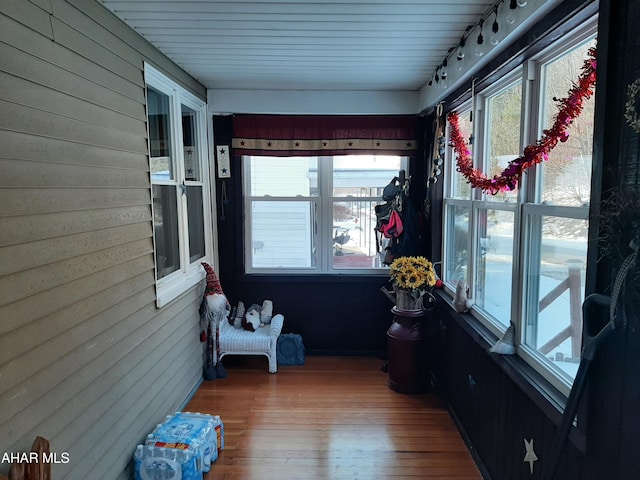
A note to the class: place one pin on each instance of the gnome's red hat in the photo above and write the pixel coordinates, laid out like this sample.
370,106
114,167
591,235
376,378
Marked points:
213,284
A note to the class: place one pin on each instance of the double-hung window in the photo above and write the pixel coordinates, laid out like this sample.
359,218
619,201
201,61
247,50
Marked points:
314,214
523,253
481,227
179,184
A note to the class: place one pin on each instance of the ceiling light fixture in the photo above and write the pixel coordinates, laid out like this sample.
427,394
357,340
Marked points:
443,72
494,39
443,75
460,51
511,16
480,41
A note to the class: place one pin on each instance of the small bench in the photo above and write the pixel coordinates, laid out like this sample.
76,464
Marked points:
238,341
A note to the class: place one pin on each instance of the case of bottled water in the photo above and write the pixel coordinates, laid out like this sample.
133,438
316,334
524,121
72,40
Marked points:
201,433
159,463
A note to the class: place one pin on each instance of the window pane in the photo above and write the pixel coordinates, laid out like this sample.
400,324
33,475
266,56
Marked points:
503,132
363,175
354,242
556,281
315,212
159,116
461,187
567,173
282,234
494,261
190,145
284,176
457,248
165,227
195,217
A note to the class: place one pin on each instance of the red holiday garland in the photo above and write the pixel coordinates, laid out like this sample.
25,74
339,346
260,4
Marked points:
569,109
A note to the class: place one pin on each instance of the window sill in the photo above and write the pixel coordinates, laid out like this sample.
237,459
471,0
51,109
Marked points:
315,278
167,291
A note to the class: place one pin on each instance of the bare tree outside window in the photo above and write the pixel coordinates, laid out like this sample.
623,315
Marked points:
567,174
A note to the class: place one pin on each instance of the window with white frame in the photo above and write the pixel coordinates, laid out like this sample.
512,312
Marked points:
523,253
314,214
179,184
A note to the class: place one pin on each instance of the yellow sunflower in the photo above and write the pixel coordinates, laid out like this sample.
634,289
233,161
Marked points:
413,273
430,278
412,278
421,262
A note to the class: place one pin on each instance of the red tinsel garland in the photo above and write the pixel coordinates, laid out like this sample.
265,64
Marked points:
569,108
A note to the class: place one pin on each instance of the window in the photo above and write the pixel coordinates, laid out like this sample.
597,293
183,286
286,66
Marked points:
523,252
555,222
314,214
494,215
179,184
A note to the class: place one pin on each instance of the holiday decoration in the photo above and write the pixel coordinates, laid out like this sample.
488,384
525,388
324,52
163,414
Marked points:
570,108
461,301
507,344
439,143
251,320
631,113
530,455
213,310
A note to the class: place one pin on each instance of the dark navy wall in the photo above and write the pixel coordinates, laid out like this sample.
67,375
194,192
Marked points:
494,401
334,314
614,390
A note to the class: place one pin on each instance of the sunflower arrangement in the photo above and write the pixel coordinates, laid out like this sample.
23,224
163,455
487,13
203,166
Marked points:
415,274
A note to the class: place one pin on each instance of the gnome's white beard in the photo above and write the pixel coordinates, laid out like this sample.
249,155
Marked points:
217,307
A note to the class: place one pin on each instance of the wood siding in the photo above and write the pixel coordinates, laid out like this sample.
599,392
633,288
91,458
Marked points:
86,359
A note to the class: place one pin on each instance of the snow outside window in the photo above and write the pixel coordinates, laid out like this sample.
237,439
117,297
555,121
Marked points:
524,253
314,214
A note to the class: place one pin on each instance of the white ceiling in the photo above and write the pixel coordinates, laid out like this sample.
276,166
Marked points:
370,45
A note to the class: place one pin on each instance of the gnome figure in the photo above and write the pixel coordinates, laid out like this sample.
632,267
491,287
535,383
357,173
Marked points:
214,309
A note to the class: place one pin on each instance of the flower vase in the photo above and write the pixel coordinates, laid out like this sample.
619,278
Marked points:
407,361
406,301
408,365
412,279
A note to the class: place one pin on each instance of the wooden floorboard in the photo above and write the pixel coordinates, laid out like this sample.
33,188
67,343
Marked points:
332,418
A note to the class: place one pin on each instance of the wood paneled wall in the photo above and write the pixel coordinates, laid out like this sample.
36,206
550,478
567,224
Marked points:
497,412
614,387
86,359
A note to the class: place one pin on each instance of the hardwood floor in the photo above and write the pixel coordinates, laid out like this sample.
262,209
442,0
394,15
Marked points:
333,418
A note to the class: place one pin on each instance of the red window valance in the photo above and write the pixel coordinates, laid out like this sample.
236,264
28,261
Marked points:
306,135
